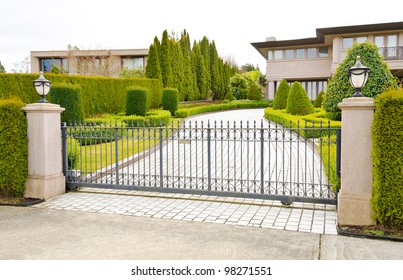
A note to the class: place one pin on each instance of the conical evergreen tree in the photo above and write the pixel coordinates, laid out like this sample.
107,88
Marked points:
165,61
201,72
188,89
205,51
153,69
178,70
214,72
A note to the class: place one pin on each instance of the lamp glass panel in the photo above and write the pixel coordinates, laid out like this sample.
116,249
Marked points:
358,79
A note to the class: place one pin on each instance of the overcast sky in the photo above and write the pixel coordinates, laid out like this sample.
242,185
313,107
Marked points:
27,25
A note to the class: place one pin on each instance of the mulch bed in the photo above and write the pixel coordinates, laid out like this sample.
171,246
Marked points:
19,201
376,231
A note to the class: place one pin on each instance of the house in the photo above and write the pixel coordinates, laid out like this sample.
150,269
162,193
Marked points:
312,61
89,62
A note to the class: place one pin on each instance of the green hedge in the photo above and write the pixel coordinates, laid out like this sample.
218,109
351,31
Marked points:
100,95
69,97
136,101
170,99
237,104
387,154
153,118
314,120
13,148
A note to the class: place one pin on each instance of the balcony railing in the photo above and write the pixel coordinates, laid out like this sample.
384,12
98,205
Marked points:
392,53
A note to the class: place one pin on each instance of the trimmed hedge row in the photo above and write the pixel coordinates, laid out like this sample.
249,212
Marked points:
100,95
152,118
170,100
237,104
314,120
13,148
387,154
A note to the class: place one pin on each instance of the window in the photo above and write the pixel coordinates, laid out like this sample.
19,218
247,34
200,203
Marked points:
133,63
270,55
289,54
379,41
47,63
361,39
312,53
278,55
300,53
323,52
347,43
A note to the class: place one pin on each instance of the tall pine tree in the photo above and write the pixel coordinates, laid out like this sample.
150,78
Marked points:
165,61
153,69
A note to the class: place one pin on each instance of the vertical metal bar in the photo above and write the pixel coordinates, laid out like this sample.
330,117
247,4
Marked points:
261,158
161,160
338,153
209,155
64,148
116,153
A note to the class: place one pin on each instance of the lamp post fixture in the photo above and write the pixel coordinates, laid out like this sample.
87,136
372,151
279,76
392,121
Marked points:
42,87
358,75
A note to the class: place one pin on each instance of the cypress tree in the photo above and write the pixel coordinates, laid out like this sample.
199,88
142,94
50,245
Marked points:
214,71
165,61
205,52
188,75
201,73
153,69
178,69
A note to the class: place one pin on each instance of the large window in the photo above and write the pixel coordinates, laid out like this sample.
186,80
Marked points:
47,63
312,53
323,52
278,55
300,53
133,63
289,54
347,43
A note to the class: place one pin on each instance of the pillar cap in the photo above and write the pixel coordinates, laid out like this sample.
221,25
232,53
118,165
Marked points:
357,103
43,107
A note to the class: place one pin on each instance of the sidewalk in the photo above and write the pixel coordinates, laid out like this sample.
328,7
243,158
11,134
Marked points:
68,227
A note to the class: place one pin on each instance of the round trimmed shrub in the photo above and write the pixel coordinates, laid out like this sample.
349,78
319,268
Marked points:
170,100
380,78
254,92
280,100
69,97
298,102
318,100
136,101
13,148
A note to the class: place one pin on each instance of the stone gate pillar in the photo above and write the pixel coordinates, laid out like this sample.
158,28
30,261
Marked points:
45,177
354,205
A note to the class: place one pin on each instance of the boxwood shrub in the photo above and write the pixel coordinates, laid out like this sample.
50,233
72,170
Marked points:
13,148
69,97
387,135
136,101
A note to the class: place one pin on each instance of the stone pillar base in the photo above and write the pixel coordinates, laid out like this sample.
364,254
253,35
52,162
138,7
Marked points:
355,210
45,187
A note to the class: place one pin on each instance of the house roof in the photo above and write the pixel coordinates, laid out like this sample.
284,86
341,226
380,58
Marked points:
322,32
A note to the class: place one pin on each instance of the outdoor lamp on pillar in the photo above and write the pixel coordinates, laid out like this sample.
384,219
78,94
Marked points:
358,75
42,87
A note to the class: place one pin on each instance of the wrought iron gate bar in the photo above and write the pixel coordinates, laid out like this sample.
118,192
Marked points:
263,160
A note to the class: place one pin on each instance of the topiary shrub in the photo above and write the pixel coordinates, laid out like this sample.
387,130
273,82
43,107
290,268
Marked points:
318,100
380,78
298,102
13,148
387,151
230,96
254,92
280,100
136,101
69,97
170,100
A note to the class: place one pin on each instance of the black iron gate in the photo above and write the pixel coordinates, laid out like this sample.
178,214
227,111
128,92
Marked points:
254,160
